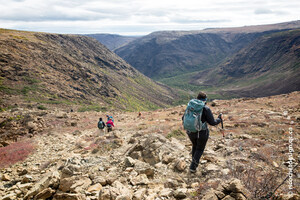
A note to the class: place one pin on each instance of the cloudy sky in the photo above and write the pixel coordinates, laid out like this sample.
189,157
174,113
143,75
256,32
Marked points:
140,17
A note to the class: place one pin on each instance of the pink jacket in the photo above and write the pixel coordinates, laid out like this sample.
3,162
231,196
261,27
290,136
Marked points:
110,122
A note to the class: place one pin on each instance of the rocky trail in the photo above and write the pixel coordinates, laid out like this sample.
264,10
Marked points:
147,157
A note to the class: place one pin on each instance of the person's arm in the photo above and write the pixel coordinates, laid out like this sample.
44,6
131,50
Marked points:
210,118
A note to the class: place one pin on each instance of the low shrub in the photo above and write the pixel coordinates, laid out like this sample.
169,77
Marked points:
42,107
15,152
176,134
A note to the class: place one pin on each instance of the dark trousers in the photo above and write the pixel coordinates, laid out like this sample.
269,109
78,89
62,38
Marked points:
199,142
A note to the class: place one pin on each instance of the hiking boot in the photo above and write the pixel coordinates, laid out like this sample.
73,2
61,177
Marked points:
193,167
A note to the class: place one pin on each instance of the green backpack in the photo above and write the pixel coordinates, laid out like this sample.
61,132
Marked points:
192,116
101,125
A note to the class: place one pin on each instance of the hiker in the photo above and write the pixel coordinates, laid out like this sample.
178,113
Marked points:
110,117
109,125
101,126
199,133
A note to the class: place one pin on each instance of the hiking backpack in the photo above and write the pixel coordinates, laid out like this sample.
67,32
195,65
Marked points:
101,125
192,116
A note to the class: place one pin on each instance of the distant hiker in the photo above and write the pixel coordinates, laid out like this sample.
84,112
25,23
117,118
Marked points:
110,117
140,114
195,120
101,126
109,125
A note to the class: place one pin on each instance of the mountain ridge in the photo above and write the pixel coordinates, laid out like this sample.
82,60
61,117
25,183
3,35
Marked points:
112,41
72,69
174,57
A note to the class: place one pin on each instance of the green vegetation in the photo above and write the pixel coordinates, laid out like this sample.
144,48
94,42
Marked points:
132,103
178,134
93,107
42,107
19,37
31,80
5,89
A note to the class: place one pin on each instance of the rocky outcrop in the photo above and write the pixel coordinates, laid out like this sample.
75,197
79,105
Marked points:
232,189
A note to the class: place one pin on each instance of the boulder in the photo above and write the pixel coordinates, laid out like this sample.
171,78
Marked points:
235,186
117,190
27,179
75,184
95,188
51,180
210,195
166,192
139,180
139,194
144,168
180,165
5,177
129,162
9,197
68,196
180,193
44,194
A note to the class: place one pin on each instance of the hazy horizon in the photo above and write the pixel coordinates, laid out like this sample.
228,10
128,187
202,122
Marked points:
136,17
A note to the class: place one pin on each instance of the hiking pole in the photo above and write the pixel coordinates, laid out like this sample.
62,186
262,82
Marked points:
220,116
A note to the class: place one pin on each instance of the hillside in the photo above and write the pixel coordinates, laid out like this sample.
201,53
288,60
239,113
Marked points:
175,57
112,41
147,157
268,66
41,69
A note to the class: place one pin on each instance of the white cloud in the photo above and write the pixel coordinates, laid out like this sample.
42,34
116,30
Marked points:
141,16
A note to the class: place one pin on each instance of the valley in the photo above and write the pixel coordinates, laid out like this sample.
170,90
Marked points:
249,61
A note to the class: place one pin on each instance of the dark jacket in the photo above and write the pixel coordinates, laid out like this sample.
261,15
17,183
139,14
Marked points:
208,117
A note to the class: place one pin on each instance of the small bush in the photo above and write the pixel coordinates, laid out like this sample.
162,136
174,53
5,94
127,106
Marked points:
259,182
15,152
42,107
176,133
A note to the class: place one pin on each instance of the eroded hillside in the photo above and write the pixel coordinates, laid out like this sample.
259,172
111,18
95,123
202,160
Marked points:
147,157
71,71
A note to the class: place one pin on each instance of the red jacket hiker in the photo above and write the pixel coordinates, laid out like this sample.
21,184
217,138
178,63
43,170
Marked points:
110,123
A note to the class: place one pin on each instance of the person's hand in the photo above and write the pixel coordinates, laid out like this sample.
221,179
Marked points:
220,116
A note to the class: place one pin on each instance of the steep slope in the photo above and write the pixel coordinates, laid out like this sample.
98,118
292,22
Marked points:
112,41
170,53
149,157
71,69
164,54
268,66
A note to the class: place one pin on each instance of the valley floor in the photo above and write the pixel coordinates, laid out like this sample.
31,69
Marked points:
147,157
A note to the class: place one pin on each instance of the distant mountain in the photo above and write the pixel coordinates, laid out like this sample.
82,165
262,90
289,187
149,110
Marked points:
71,70
166,54
169,53
113,41
268,66
177,57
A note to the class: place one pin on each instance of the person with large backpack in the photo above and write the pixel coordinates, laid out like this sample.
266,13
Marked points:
109,125
101,126
195,120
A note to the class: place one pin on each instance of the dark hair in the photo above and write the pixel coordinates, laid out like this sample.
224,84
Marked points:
201,96
100,119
